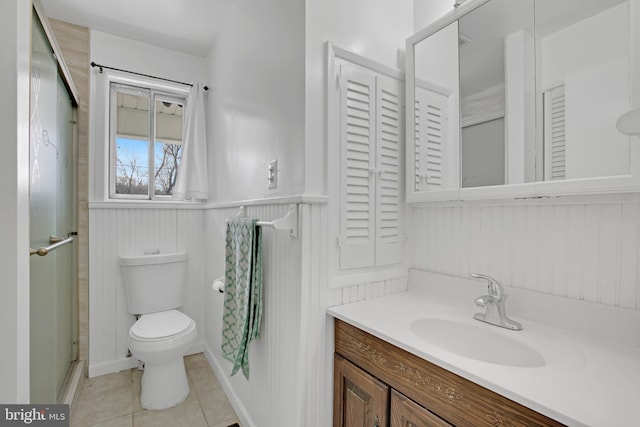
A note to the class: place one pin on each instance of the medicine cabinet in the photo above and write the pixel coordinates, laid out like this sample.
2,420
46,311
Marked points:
520,98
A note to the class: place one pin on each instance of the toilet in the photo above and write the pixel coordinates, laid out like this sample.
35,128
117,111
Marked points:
154,286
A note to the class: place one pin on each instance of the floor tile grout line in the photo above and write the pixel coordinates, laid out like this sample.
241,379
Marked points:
192,390
198,398
109,384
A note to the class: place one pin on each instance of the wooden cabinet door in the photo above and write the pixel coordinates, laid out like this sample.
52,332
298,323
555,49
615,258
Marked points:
407,413
359,399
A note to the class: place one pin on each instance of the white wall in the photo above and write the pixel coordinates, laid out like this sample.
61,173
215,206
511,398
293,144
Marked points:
373,29
129,231
596,40
520,107
268,72
426,12
585,250
272,396
119,228
15,34
591,58
291,363
119,52
256,70
594,100
440,48
257,100
376,30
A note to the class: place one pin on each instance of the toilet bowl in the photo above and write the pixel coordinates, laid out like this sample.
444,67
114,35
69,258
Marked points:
161,340
162,335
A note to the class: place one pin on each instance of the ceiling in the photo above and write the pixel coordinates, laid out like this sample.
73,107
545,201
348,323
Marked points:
188,26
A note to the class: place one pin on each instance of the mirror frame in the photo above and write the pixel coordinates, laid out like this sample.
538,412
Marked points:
617,184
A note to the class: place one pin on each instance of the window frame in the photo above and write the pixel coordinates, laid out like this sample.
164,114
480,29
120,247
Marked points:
155,91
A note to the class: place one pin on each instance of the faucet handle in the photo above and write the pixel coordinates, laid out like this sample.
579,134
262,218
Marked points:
483,300
495,288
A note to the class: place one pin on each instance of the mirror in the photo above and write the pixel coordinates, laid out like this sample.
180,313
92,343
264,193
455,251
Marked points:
520,91
584,85
436,124
497,94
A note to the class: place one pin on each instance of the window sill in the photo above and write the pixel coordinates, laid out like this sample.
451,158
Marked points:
145,204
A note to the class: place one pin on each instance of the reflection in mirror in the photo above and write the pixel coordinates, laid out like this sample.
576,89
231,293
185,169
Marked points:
497,94
583,75
523,91
436,154
575,79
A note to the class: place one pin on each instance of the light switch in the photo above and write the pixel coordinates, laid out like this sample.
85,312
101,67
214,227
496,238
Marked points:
272,175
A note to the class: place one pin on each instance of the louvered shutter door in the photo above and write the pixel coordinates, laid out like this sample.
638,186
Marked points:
357,164
430,133
389,120
418,150
555,134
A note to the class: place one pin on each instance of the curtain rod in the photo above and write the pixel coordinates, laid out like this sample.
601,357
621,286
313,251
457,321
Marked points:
101,67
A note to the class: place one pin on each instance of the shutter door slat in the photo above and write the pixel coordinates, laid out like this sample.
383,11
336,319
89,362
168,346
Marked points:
555,134
431,123
371,135
390,116
357,130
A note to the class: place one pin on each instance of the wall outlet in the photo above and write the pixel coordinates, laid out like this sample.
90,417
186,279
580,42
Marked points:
272,174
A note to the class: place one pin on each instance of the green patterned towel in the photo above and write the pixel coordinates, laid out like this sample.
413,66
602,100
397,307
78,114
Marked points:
242,312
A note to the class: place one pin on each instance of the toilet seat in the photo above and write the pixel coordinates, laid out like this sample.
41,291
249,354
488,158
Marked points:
161,326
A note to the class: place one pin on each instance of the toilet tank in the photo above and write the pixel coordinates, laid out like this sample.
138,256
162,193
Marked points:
155,282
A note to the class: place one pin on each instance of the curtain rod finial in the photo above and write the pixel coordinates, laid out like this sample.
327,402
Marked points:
93,64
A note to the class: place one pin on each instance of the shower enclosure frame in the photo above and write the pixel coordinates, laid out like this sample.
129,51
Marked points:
74,373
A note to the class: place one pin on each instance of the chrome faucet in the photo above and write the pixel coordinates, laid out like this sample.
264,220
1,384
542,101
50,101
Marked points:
494,305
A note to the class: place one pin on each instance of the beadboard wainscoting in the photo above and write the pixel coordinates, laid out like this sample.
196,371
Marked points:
587,250
271,396
127,231
291,364
366,291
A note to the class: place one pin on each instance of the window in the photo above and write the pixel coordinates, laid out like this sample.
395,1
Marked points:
145,141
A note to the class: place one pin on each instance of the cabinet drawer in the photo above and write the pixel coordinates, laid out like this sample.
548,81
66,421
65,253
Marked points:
451,397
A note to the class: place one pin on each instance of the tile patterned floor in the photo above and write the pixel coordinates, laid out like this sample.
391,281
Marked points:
114,401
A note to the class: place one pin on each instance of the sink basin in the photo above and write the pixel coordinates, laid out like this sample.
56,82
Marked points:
477,342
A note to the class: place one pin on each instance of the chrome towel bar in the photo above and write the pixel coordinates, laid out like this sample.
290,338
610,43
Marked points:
56,242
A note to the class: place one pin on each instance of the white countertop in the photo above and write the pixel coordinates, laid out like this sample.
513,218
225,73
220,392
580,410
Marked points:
586,381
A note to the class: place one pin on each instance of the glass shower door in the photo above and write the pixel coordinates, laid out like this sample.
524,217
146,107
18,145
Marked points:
51,216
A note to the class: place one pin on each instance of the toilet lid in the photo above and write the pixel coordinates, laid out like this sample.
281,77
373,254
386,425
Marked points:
160,325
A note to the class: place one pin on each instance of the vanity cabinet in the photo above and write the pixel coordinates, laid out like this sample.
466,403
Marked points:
407,413
414,392
360,399
363,400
